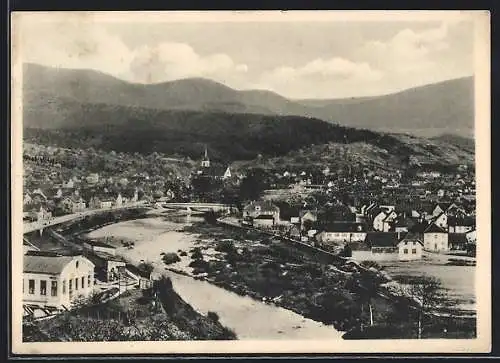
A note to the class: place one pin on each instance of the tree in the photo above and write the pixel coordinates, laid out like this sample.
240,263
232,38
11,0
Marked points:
424,294
253,185
365,284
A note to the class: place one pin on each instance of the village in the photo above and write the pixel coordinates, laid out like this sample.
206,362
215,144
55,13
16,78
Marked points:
359,215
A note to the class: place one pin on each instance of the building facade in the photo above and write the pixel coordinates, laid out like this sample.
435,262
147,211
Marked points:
56,281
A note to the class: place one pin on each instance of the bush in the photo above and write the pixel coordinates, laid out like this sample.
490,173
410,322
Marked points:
197,254
213,316
183,253
199,264
170,258
225,246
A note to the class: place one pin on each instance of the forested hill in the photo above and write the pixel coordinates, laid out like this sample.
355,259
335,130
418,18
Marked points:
229,137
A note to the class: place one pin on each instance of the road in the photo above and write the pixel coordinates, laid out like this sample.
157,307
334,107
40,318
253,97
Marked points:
34,226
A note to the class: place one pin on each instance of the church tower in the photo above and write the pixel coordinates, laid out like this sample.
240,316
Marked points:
205,162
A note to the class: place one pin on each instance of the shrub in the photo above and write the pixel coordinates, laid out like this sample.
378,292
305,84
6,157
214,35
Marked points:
225,246
213,316
170,258
183,253
197,254
199,264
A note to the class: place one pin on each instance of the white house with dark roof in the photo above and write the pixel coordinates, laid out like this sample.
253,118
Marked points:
410,247
436,239
55,280
262,210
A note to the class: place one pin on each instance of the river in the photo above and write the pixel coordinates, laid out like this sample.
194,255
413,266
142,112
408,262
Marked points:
248,318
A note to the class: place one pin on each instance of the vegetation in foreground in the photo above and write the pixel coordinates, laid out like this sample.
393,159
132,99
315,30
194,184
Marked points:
155,314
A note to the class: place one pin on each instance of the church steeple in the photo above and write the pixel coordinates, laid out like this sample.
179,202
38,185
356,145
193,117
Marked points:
205,162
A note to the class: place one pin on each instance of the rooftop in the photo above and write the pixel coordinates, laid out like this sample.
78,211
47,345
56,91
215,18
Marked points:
46,264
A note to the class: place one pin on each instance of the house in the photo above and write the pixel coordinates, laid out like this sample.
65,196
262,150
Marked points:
27,200
56,280
441,220
263,220
457,241
43,214
262,208
410,247
95,202
227,174
442,208
106,202
107,267
378,246
461,225
471,236
307,218
69,185
435,239
92,178
72,204
383,221
97,246
337,232
119,200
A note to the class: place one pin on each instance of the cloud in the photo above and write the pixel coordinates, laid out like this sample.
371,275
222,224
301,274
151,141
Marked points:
320,77
409,50
333,68
75,45
89,45
167,61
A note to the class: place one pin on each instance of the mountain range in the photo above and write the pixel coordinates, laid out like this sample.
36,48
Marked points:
50,95
83,108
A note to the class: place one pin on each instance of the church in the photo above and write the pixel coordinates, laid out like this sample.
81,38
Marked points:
213,171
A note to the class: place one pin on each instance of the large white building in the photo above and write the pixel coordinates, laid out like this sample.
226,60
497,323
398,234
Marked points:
56,281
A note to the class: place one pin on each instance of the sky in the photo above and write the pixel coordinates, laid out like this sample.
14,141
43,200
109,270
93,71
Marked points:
341,57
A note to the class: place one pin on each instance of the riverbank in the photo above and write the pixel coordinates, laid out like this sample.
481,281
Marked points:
245,268
137,315
272,270
248,317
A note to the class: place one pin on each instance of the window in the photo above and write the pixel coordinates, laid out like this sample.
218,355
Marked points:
70,286
31,286
77,264
414,251
43,287
76,283
53,288
83,282
64,287
405,251
89,281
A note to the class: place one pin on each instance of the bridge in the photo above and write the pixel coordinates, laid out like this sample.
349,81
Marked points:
189,207
199,207
40,225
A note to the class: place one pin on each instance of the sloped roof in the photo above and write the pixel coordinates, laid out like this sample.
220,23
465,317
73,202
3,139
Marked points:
433,228
381,239
302,213
466,221
412,236
46,264
265,206
457,238
264,216
345,227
